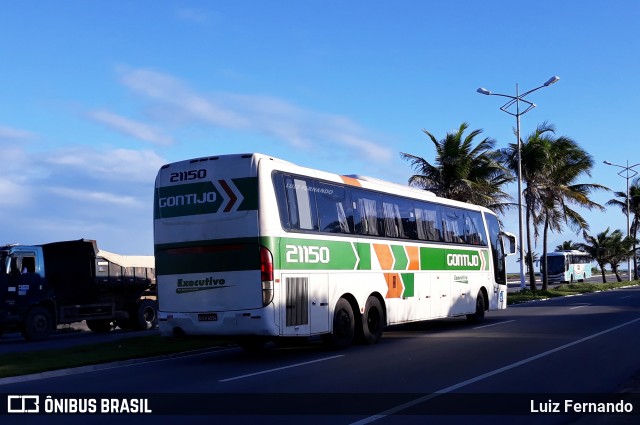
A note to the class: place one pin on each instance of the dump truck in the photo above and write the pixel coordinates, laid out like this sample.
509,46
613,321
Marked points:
43,286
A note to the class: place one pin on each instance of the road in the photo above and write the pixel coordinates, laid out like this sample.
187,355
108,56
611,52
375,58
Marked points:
525,358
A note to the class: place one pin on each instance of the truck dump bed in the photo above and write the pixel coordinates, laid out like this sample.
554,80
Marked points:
79,273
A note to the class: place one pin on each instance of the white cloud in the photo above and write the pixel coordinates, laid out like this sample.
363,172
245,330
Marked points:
273,117
8,133
131,128
133,166
100,198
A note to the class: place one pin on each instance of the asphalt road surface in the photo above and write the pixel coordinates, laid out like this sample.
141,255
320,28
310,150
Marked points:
513,369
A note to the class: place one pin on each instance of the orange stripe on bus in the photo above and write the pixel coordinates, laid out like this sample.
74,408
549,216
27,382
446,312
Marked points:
385,257
351,181
413,252
394,283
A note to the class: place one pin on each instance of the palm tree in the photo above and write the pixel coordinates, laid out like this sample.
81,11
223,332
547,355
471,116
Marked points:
634,208
534,154
463,172
619,251
599,249
567,246
559,191
550,167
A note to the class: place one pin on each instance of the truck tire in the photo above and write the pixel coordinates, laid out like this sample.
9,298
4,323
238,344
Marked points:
147,315
100,325
37,324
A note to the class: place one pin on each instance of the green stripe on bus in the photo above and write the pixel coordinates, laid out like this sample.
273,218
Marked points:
402,260
408,281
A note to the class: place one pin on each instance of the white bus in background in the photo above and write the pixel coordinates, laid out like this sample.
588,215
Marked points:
568,266
254,248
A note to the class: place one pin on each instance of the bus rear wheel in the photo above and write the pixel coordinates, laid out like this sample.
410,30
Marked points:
372,321
343,325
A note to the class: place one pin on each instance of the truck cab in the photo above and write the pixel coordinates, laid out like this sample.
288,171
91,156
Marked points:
22,282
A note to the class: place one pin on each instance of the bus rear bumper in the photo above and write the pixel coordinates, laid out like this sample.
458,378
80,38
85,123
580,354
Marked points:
227,324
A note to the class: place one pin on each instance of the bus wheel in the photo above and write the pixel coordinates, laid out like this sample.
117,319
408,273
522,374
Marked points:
478,316
372,321
37,324
343,325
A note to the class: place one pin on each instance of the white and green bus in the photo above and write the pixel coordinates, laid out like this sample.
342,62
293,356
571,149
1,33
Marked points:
254,248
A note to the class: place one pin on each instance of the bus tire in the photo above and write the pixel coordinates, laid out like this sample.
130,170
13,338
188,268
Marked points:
478,316
343,325
37,324
372,321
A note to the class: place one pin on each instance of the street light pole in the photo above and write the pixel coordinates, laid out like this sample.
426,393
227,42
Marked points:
624,173
505,108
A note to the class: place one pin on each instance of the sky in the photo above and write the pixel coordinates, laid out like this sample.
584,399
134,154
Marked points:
96,96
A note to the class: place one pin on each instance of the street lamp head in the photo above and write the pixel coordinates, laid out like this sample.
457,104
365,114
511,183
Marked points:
607,162
552,80
482,90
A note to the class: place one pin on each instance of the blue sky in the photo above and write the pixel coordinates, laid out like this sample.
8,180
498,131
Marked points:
96,96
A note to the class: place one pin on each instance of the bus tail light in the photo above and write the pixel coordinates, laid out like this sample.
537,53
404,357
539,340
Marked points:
266,275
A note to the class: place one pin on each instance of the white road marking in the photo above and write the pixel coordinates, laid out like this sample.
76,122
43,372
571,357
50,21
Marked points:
579,306
248,375
494,324
459,385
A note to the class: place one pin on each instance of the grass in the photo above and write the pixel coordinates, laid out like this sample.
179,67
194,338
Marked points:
569,289
24,363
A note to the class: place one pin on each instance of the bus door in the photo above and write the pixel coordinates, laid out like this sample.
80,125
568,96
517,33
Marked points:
306,304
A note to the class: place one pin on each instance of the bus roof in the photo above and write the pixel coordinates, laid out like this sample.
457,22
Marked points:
350,179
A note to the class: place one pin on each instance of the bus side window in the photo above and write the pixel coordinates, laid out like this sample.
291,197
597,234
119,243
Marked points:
453,224
427,223
366,218
333,209
393,227
474,228
281,196
301,204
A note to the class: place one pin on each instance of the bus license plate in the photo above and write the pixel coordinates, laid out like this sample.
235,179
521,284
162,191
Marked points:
208,317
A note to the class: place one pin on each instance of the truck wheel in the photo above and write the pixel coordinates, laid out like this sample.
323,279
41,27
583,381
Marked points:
147,315
37,324
99,325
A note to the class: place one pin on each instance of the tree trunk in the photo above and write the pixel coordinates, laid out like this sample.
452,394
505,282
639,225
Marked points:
529,256
615,270
545,276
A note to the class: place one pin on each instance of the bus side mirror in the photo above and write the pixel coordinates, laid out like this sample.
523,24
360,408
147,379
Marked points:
510,242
